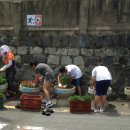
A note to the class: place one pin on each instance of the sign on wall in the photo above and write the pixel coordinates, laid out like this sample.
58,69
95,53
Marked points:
34,20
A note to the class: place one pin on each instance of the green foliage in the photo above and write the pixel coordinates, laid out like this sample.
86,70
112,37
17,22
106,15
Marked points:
2,79
90,82
65,79
80,98
2,95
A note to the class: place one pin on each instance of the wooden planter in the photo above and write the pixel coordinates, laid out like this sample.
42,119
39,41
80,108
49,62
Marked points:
30,102
80,106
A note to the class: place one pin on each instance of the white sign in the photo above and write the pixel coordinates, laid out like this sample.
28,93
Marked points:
34,20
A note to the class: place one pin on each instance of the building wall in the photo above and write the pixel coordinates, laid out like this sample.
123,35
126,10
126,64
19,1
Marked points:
73,32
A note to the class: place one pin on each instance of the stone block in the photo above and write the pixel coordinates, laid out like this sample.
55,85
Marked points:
22,50
79,60
53,59
36,50
66,60
50,51
123,52
86,52
73,51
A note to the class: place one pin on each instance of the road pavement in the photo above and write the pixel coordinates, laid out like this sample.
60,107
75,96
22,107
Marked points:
116,117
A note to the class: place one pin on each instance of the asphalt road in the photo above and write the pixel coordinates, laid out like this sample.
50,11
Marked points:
11,119
116,117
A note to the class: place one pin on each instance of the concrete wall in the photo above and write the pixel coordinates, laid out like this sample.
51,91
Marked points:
73,32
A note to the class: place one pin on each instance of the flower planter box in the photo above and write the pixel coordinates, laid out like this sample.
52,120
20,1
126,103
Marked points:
30,102
80,106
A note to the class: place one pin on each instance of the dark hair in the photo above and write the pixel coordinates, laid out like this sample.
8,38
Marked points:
33,62
62,69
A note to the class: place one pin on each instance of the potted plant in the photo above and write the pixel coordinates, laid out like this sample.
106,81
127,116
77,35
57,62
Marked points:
127,91
28,84
2,96
91,89
66,90
65,81
80,103
3,83
29,87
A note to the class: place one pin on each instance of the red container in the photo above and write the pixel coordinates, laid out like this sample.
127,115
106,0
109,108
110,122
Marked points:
30,102
80,106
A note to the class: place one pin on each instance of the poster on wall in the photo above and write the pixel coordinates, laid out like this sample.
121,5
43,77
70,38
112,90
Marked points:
34,20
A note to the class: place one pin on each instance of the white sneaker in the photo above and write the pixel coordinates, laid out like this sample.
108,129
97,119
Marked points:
95,110
101,109
44,102
49,104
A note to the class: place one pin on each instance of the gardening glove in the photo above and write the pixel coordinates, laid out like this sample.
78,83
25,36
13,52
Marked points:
59,84
64,86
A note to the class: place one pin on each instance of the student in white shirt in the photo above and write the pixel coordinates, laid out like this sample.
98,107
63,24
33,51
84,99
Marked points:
75,75
101,78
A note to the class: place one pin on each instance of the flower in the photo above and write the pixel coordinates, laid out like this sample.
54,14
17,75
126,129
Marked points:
29,84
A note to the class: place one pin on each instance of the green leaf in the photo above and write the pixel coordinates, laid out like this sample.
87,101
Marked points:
80,98
2,95
2,79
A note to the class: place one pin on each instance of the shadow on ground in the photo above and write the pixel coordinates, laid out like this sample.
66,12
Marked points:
111,110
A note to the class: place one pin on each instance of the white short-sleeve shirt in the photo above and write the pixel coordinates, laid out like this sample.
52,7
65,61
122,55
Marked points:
101,73
73,71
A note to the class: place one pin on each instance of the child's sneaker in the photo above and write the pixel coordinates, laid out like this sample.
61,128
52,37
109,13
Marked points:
95,110
44,112
101,109
43,103
50,110
49,104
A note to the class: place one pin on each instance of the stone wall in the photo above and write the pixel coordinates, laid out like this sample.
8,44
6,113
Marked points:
73,32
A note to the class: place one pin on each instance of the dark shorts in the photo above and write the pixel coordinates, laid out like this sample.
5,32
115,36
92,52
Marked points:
102,87
49,77
76,82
